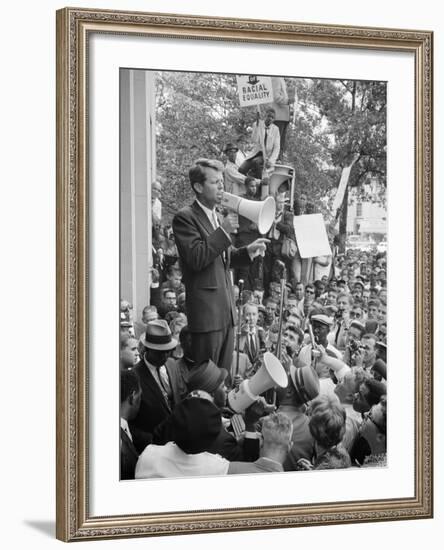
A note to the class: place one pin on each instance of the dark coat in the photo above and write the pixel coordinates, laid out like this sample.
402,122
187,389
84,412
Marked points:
209,296
128,456
153,407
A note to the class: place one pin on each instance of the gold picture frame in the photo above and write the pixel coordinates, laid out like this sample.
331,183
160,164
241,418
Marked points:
74,26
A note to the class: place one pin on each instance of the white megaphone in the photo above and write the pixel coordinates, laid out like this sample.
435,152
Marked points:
271,374
260,212
280,175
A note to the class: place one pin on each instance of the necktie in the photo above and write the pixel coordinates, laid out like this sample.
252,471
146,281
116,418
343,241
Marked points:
266,136
215,220
215,223
338,330
252,345
164,381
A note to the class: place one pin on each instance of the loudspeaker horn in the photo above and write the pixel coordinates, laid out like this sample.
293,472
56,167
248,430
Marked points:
270,375
281,173
260,212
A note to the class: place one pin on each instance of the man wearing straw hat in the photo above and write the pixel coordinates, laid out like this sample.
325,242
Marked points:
160,381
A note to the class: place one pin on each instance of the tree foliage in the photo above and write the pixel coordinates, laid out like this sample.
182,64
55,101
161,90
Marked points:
336,121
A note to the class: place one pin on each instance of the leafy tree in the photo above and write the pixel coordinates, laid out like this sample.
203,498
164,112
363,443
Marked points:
336,122
355,115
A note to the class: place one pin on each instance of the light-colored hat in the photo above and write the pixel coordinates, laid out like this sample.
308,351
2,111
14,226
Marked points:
305,383
323,319
158,336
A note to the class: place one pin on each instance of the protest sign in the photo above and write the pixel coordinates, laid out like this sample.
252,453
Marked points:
311,235
254,90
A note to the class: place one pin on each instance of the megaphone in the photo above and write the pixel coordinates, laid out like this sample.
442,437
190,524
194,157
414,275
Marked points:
260,212
271,374
280,175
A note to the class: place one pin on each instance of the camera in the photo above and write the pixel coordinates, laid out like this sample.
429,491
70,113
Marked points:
354,346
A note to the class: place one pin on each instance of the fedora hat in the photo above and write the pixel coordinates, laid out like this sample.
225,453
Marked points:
207,376
158,336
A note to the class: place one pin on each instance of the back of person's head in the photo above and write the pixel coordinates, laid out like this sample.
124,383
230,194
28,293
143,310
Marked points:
197,172
129,383
184,335
327,421
277,430
196,423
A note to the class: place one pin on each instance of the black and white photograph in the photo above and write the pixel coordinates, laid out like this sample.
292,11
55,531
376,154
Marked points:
253,274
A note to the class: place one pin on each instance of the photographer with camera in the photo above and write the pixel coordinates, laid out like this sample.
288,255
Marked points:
353,346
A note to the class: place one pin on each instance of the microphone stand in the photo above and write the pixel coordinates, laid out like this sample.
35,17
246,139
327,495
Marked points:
281,319
239,325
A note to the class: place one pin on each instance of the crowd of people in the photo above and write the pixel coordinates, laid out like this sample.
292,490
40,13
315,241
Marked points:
221,297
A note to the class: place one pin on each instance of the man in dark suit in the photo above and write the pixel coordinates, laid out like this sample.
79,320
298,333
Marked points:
206,255
130,395
161,382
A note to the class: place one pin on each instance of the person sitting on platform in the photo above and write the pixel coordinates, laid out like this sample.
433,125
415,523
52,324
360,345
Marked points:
266,141
235,182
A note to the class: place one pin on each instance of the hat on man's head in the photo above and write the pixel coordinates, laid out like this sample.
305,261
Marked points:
382,345
158,336
305,383
230,147
207,376
196,423
357,324
322,319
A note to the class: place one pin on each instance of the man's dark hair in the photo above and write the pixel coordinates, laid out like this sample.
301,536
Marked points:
375,389
129,383
198,175
184,334
167,290
297,331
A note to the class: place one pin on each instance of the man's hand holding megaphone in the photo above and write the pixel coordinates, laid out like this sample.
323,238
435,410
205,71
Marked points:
257,247
230,223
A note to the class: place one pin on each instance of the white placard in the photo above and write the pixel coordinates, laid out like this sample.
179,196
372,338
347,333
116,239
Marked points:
311,235
254,90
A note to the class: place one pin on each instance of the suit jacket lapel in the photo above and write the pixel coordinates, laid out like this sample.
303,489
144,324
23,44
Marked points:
147,379
203,219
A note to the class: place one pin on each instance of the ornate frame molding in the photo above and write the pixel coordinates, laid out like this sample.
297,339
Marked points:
73,28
